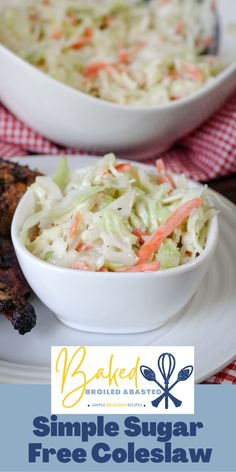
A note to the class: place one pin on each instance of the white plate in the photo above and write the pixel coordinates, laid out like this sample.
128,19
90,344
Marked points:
208,322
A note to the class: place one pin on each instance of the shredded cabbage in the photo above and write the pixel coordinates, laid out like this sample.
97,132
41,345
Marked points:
146,53
99,218
61,178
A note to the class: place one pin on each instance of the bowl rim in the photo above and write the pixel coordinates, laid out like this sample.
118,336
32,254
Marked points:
212,238
204,90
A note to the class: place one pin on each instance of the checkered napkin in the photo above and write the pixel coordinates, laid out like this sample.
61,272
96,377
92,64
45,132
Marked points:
207,153
227,375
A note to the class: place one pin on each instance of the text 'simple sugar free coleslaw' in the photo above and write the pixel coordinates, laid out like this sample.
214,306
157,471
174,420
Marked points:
116,217
146,53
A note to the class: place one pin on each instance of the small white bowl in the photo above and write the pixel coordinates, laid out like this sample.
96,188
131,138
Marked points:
73,119
111,302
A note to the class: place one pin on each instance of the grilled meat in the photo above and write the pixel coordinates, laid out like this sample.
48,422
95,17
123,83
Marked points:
14,180
14,290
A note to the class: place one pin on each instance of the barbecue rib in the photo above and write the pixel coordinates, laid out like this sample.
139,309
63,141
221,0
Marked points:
14,290
14,180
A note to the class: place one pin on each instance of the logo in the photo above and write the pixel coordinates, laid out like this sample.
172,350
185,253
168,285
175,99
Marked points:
166,365
122,380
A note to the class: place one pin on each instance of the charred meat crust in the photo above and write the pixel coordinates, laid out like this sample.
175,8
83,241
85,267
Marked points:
14,180
14,289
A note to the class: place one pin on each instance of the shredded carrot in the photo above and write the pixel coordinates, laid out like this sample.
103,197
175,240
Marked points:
188,253
145,267
88,33
164,176
123,56
80,265
180,27
109,20
140,235
174,74
80,43
164,230
85,40
103,269
123,167
177,97
92,70
56,34
82,247
74,226
74,21
195,73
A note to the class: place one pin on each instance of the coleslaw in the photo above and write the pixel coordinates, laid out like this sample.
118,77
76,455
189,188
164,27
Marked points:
116,217
145,53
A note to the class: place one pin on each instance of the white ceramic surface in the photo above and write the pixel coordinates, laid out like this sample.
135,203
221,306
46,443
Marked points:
71,118
208,322
110,302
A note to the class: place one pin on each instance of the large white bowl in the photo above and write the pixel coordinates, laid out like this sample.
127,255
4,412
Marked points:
110,302
71,118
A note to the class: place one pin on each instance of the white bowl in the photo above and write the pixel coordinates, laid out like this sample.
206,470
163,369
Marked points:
72,118
110,302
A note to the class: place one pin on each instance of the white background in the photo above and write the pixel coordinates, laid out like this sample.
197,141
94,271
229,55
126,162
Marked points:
124,357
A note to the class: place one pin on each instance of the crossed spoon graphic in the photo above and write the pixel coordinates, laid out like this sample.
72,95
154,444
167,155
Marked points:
166,364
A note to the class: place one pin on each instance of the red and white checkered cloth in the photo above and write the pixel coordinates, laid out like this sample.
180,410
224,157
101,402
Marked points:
227,375
207,153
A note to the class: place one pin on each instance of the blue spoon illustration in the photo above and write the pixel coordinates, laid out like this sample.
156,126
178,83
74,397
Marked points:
150,375
183,375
